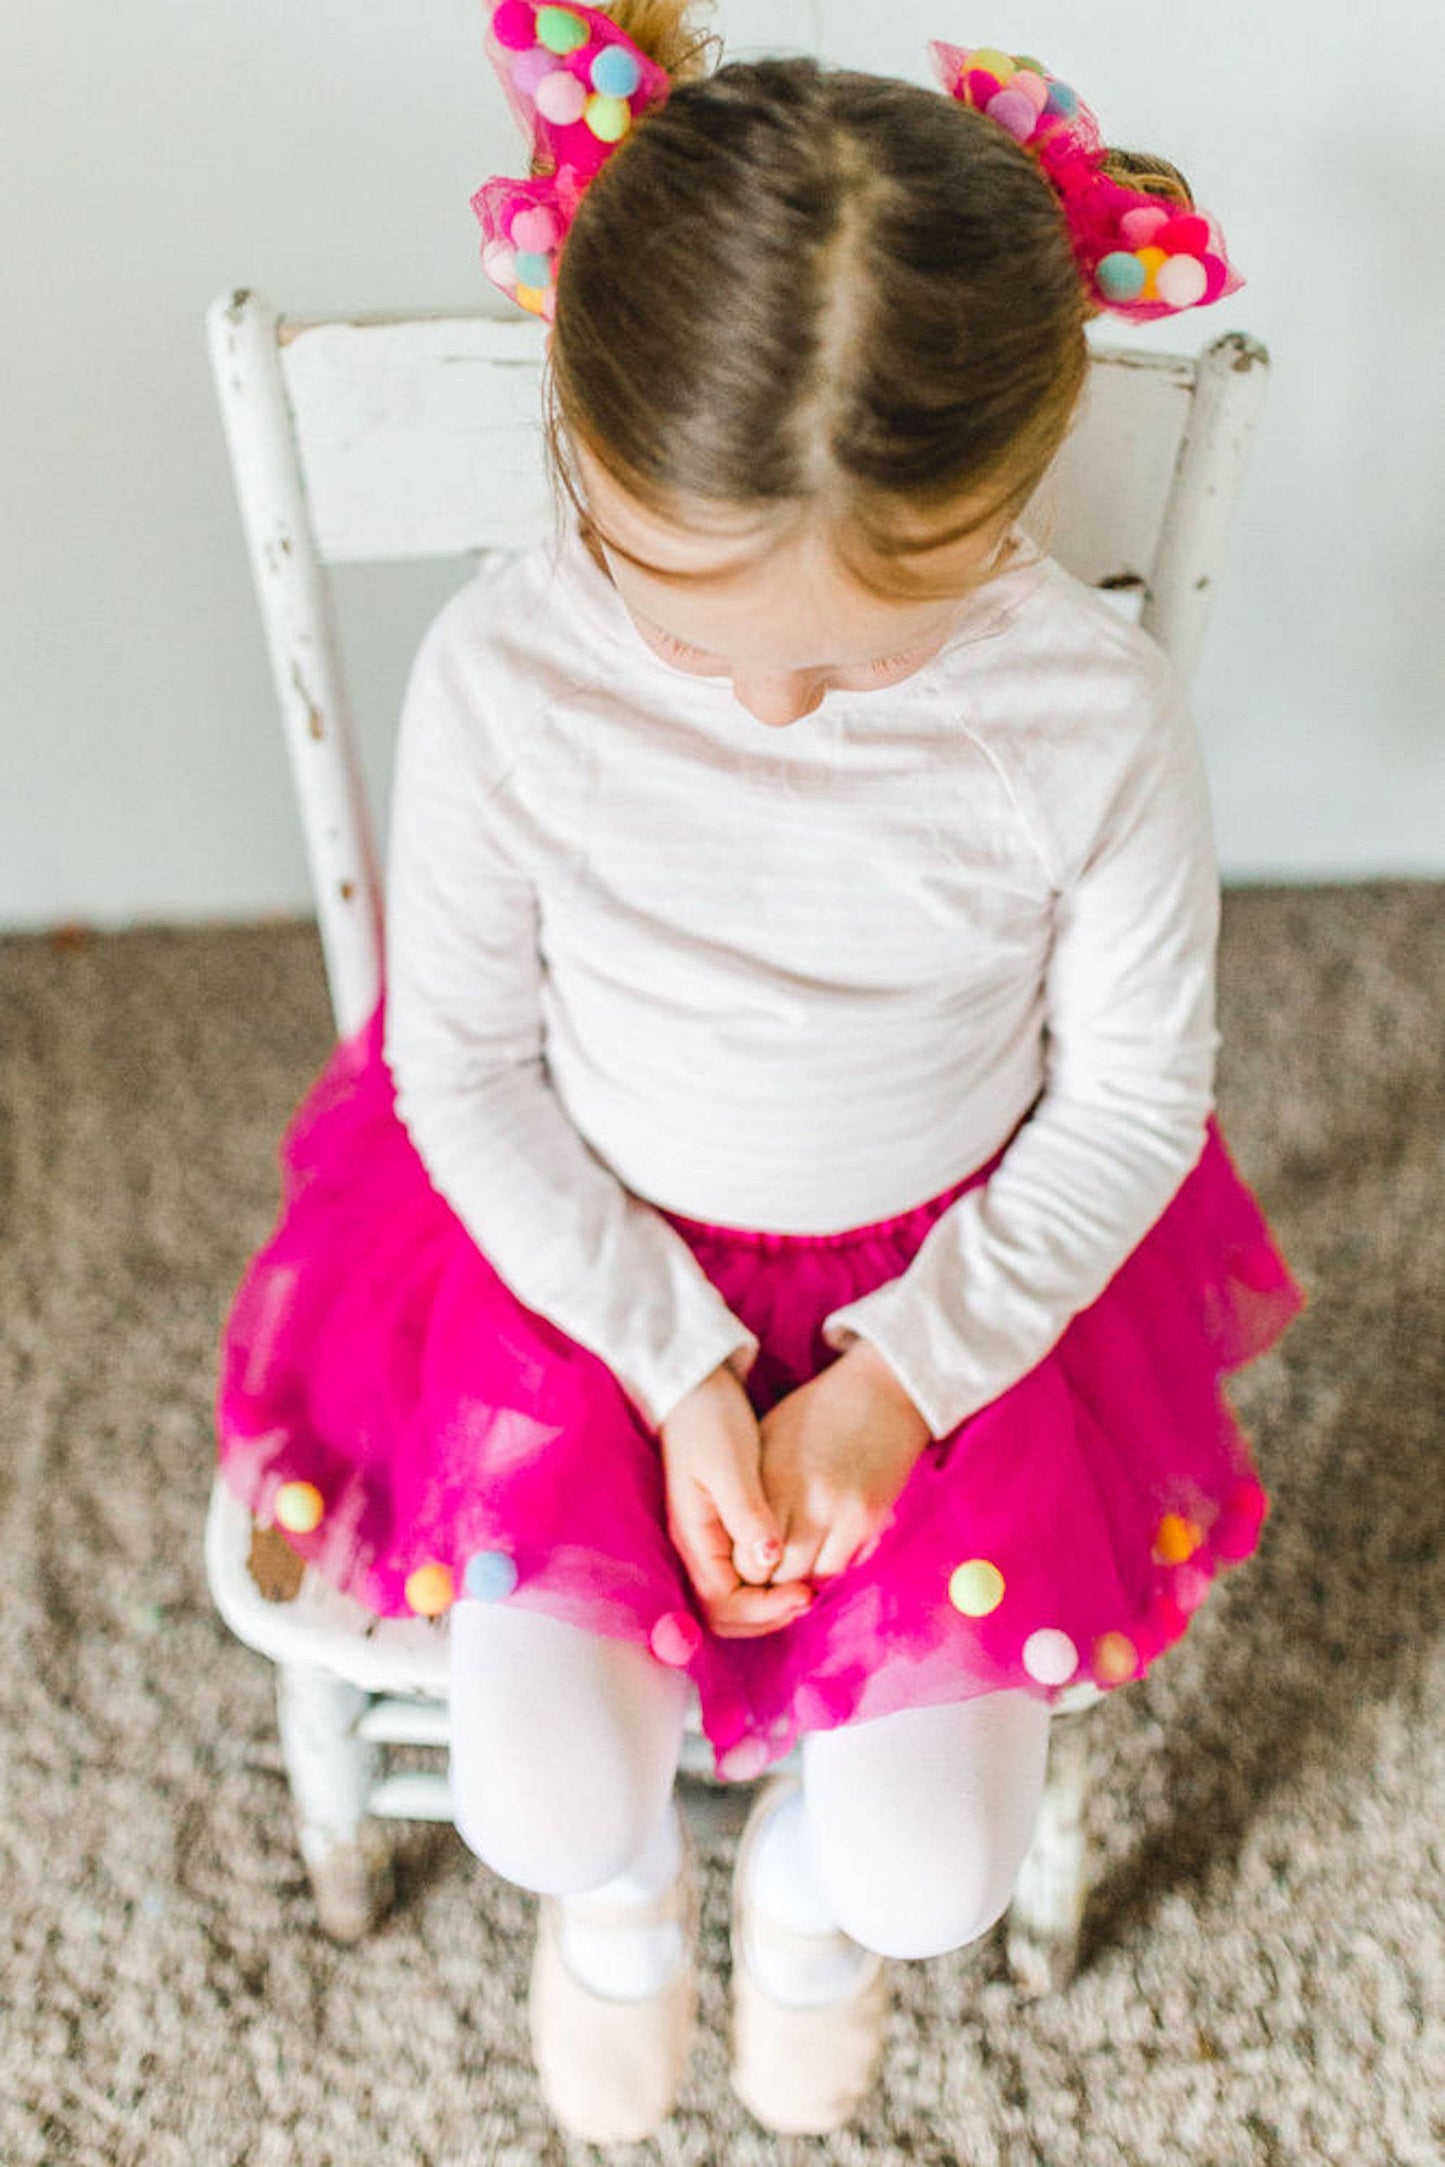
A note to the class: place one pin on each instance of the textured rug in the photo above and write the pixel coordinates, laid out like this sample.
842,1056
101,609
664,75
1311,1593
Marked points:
1263,1979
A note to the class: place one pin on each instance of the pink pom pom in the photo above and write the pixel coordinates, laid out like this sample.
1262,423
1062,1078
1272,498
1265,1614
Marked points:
1014,111
981,86
1032,87
1184,236
514,26
1216,272
675,1639
1143,225
531,68
561,98
536,228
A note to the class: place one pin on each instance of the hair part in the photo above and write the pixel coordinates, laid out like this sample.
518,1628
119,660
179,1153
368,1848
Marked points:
796,289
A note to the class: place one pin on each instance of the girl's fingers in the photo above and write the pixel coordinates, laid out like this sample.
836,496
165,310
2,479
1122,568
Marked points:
756,1544
704,1545
842,1546
747,1612
801,1544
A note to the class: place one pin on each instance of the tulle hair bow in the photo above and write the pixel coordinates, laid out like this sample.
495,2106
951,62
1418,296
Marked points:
1138,257
578,86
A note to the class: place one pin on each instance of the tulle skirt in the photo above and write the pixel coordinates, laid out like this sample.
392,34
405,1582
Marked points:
420,1435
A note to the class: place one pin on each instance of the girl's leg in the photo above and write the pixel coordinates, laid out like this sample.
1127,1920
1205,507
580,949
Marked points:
917,1823
564,1748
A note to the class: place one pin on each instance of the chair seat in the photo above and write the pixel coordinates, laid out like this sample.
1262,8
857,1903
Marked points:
318,1625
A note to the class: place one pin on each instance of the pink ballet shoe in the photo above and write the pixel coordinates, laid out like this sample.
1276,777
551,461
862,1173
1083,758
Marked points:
801,2072
610,2069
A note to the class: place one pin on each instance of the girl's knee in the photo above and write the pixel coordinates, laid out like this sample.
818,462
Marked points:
900,1913
555,1845
563,1750
919,1822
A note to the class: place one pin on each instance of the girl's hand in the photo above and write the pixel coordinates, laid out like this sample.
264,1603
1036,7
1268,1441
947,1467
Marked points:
836,1453
718,1518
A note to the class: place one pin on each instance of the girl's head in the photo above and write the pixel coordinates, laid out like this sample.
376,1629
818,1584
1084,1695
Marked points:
818,336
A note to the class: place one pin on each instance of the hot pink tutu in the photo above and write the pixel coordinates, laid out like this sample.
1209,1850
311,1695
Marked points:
378,1380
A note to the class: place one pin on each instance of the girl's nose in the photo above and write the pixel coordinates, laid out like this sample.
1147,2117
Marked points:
778,701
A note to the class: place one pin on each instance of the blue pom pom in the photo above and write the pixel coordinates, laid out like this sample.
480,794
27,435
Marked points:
1121,276
533,269
615,73
1062,101
490,1575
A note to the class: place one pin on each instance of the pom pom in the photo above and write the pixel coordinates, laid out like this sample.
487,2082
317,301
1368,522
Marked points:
1063,102
560,30
514,26
533,298
615,72
1115,1658
299,1507
608,118
1216,273
531,68
490,1576
429,1590
675,1639
980,87
533,269
1031,85
1175,1539
1181,281
1186,236
1012,110
536,228
1120,276
1153,259
500,263
561,98
1050,1657
999,65
976,1588
1143,224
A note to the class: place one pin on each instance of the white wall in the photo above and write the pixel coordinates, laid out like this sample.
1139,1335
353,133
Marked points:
161,153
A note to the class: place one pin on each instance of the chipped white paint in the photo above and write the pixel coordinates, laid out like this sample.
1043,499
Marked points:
395,437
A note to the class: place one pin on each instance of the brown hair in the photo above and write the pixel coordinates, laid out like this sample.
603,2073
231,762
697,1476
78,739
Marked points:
797,286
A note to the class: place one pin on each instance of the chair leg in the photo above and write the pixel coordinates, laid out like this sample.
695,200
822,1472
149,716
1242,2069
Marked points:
1046,1911
347,1855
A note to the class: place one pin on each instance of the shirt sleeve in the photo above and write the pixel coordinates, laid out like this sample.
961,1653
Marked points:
464,1043
1128,1086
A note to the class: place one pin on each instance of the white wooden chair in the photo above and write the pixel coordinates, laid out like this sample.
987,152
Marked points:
392,437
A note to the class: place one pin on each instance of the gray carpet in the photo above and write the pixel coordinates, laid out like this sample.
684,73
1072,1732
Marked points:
1263,1976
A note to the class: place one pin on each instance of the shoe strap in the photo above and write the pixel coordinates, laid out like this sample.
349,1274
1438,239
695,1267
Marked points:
672,1906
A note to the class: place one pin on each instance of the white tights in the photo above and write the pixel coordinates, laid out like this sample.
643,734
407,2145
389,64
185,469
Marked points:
565,1746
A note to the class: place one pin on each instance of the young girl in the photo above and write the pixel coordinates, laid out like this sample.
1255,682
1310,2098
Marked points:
797,1264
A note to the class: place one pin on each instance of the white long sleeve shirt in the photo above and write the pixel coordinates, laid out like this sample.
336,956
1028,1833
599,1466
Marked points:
643,951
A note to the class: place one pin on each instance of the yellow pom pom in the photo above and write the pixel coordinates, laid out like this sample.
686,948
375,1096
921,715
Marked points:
531,297
299,1507
608,118
429,1590
1152,259
1001,66
976,1588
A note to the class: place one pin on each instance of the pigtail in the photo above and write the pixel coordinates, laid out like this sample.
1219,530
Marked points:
1154,175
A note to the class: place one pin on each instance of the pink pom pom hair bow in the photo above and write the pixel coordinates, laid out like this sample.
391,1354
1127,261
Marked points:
579,86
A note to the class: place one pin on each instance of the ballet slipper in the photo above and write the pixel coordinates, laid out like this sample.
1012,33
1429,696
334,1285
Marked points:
801,2072
610,2069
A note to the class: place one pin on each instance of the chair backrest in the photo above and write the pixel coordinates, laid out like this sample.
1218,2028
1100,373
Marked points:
392,437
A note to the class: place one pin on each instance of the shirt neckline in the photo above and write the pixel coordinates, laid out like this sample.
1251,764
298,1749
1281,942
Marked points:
602,608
